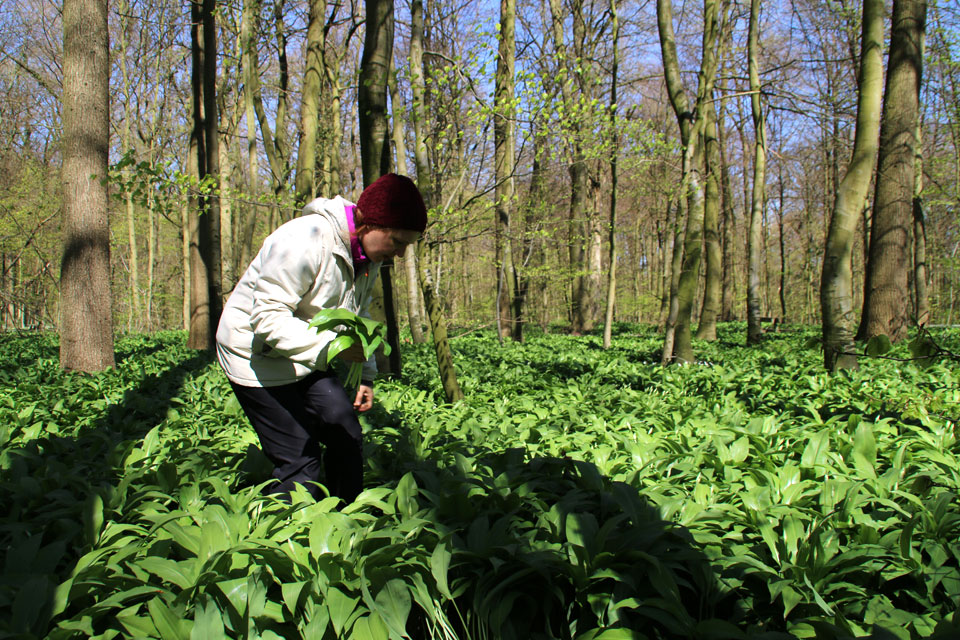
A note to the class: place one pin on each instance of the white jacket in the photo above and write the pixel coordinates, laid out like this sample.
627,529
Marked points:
263,339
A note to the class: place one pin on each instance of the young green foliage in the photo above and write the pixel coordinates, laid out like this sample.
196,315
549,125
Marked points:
351,330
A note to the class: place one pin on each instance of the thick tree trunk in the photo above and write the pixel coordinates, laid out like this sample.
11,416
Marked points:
886,309
375,149
712,291
693,183
310,105
836,283
205,290
86,324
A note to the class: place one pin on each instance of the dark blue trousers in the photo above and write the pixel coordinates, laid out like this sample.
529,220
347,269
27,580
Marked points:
310,432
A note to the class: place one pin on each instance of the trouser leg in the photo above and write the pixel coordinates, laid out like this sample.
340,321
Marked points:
293,421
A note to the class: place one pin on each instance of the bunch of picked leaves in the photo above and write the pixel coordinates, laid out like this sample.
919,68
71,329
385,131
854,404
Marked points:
351,329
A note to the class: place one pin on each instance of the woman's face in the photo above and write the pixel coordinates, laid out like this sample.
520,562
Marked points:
380,244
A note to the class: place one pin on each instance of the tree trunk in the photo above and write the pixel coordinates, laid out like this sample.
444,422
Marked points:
758,194
504,159
836,283
886,308
310,106
205,289
921,306
410,254
712,292
614,136
692,182
438,323
134,317
86,326
375,148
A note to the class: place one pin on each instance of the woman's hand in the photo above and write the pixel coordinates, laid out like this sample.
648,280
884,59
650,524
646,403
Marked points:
364,400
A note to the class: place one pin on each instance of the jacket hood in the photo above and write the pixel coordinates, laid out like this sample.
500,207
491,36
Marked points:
334,210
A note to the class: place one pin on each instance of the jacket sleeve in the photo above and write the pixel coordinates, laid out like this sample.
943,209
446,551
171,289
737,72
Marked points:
290,266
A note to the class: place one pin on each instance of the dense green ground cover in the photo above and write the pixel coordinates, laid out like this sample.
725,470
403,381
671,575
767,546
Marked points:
576,493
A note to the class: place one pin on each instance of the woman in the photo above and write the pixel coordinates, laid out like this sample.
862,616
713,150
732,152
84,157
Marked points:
277,365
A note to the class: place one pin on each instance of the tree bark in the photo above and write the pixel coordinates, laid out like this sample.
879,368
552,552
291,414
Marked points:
205,289
612,235
504,159
692,182
310,105
886,309
712,291
758,194
410,254
836,283
438,323
375,149
86,326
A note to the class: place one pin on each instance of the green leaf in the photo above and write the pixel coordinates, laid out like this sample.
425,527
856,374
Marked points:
393,604
207,622
440,567
341,343
169,625
878,346
93,517
327,319
340,606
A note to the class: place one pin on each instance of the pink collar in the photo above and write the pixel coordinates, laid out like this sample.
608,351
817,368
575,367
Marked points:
356,249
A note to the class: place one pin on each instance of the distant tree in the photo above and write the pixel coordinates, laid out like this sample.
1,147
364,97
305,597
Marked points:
86,329
886,307
836,283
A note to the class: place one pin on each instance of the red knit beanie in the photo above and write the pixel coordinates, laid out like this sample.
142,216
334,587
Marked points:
393,201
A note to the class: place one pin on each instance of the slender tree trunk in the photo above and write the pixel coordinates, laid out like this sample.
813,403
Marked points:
134,317
438,324
425,177
86,325
410,254
205,268
249,71
921,307
612,237
836,284
758,195
783,249
504,159
886,308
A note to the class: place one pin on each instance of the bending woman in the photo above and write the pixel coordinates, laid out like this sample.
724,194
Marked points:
327,258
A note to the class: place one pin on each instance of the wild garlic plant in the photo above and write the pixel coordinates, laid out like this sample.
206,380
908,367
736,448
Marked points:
351,330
